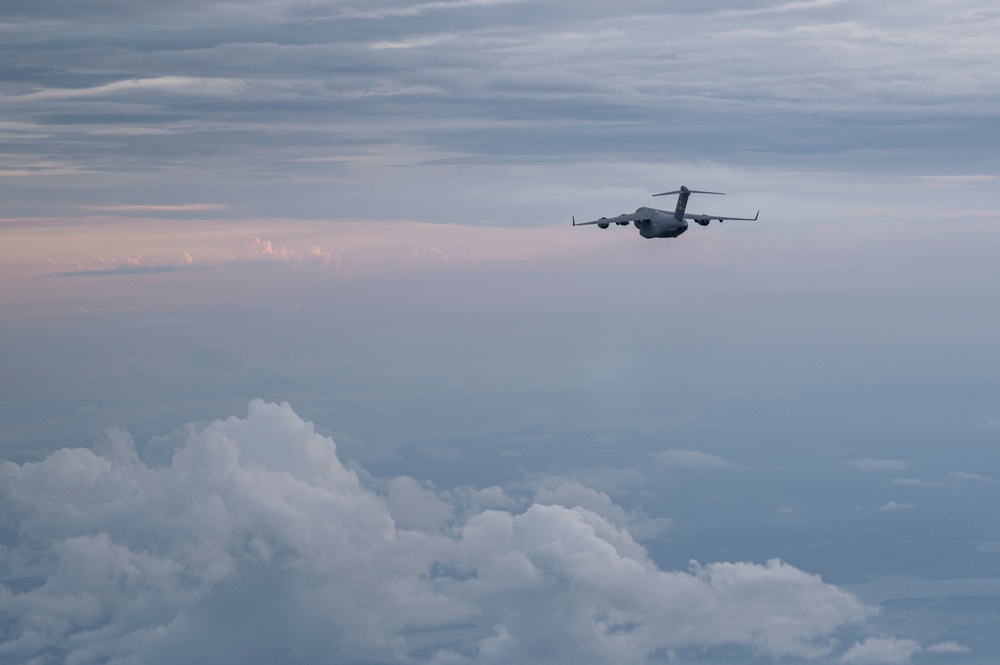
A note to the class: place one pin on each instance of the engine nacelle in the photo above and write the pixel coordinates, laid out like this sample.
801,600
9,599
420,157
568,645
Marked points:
704,222
602,225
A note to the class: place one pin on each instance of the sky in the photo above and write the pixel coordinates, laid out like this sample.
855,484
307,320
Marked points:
303,362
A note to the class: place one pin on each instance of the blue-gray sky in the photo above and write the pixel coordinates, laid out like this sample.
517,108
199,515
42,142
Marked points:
476,434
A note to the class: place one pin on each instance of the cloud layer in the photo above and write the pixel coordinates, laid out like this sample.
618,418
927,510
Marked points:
302,107
256,544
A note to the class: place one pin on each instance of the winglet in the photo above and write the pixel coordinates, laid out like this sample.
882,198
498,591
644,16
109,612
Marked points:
574,220
756,216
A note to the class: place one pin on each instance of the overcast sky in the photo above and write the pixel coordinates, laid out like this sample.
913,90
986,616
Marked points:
303,362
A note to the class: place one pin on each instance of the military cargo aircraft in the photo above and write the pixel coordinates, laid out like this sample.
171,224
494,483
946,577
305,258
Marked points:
653,223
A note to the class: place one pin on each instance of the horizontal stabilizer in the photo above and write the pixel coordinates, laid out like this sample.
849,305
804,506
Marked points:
685,190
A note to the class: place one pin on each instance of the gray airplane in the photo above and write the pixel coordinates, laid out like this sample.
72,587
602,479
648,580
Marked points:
653,223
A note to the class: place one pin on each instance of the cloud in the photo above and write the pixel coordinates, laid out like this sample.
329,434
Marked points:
914,482
970,477
948,647
413,43
214,255
254,543
259,251
416,9
130,266
188,85
811,84
880,651
128,269
184,207
415,507
567,493
878,465
690,459
896,505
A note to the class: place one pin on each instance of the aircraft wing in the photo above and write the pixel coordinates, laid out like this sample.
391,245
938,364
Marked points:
621,220
705,219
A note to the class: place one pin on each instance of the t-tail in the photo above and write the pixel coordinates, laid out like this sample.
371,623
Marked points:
682,199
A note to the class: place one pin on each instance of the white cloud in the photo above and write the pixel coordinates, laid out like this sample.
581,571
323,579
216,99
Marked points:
970,477
415,507
878,465
896,505
948,647
880,651
417,42
914,482
188,85
256,542
259,250
690,459
569,494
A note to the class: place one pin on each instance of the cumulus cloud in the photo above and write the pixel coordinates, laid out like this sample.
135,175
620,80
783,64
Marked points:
132,265
255,544
260,252
254,253
563,492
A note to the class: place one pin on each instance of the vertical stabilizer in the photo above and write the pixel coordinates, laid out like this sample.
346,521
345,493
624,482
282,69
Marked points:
682,203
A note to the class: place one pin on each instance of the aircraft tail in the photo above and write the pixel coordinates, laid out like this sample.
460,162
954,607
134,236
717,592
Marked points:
682,199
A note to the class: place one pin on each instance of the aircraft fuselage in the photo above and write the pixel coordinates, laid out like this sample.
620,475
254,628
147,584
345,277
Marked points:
659,224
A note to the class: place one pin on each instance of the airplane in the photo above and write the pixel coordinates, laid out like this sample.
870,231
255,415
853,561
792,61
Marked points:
653,223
